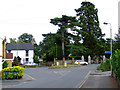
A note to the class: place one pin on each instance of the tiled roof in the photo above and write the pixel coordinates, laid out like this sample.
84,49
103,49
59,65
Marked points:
19,46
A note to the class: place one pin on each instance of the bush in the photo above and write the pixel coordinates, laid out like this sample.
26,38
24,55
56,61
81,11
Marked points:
5,64
116,63
105,66
15,62
15,72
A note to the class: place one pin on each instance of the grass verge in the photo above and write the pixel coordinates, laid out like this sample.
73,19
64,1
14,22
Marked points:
62,66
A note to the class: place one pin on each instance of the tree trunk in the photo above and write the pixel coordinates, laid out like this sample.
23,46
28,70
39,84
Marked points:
63,44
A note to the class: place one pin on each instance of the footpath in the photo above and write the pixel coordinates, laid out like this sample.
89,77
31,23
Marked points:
99,79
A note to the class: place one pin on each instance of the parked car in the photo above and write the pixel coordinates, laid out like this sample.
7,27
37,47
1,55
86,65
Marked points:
81,62
30,64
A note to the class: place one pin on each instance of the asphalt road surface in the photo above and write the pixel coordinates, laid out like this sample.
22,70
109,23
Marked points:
56,78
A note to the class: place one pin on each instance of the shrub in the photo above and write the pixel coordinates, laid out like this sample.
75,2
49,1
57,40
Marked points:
116,63
5,64
105,66
15,72
15,62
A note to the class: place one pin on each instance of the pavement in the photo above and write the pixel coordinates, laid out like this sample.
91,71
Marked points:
99,79
11,83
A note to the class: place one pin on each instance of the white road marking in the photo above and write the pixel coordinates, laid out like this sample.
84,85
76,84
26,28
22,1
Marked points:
79,85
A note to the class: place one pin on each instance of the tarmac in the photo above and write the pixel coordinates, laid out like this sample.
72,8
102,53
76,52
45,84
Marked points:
95,79
99,79
12,83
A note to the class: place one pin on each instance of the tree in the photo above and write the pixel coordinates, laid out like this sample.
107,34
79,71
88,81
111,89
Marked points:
88,27
36,60
63,23
117,41
12,40
48,47
26,38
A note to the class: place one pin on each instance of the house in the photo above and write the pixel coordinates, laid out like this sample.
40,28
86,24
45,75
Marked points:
24,51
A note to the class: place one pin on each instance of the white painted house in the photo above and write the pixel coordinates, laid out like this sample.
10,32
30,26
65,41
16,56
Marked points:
24,50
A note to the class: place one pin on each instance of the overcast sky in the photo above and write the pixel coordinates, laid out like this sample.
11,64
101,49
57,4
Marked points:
33,16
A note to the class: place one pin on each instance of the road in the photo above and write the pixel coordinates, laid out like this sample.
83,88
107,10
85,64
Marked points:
56,78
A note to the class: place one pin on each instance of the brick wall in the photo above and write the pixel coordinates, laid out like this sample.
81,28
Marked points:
9,55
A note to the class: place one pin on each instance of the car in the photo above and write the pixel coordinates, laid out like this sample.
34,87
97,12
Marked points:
30,64
81,62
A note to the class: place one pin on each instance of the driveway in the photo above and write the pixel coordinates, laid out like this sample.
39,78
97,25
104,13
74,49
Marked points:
55,78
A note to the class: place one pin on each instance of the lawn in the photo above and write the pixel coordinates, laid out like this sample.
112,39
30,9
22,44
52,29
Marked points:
62,66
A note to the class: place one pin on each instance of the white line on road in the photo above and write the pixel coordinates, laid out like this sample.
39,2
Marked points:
79,85
30,77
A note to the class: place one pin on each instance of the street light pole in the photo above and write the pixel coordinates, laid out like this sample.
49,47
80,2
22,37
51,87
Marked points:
110,36
110,43
111,39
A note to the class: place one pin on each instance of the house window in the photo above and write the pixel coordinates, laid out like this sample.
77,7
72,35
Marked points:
27,54
27,59
9,51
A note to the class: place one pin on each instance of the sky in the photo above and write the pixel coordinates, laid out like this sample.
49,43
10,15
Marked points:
33,16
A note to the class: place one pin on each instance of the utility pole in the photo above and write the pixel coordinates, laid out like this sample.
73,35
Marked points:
110,44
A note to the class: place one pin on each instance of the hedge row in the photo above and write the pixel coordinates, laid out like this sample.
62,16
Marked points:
15,72
116,63
105,66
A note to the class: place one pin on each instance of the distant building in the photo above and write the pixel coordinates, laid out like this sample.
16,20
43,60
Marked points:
24,51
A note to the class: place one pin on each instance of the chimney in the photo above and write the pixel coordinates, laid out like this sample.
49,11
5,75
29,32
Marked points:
32,41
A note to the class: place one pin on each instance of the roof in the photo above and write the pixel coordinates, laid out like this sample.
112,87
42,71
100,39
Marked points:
19,46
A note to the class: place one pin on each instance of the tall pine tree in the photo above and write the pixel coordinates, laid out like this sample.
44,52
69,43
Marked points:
63,23
88,27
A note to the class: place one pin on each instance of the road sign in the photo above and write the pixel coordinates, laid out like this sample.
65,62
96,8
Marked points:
107,52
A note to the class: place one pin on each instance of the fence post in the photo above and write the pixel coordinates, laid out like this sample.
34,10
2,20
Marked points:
72,60
54,61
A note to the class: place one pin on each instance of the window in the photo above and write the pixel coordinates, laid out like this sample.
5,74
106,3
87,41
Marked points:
9,51
27,54
27,59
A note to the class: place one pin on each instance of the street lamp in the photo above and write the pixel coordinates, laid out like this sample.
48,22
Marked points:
110,36
110,43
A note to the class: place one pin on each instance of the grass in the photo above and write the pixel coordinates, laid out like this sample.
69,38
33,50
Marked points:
62,66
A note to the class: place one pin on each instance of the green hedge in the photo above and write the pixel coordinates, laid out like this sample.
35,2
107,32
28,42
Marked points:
105,66
116,63
15,72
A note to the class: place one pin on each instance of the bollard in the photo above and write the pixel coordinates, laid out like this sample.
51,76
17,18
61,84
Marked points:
65,64
57,63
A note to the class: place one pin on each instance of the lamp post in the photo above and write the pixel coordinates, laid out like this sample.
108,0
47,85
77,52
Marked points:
110,43
110,36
